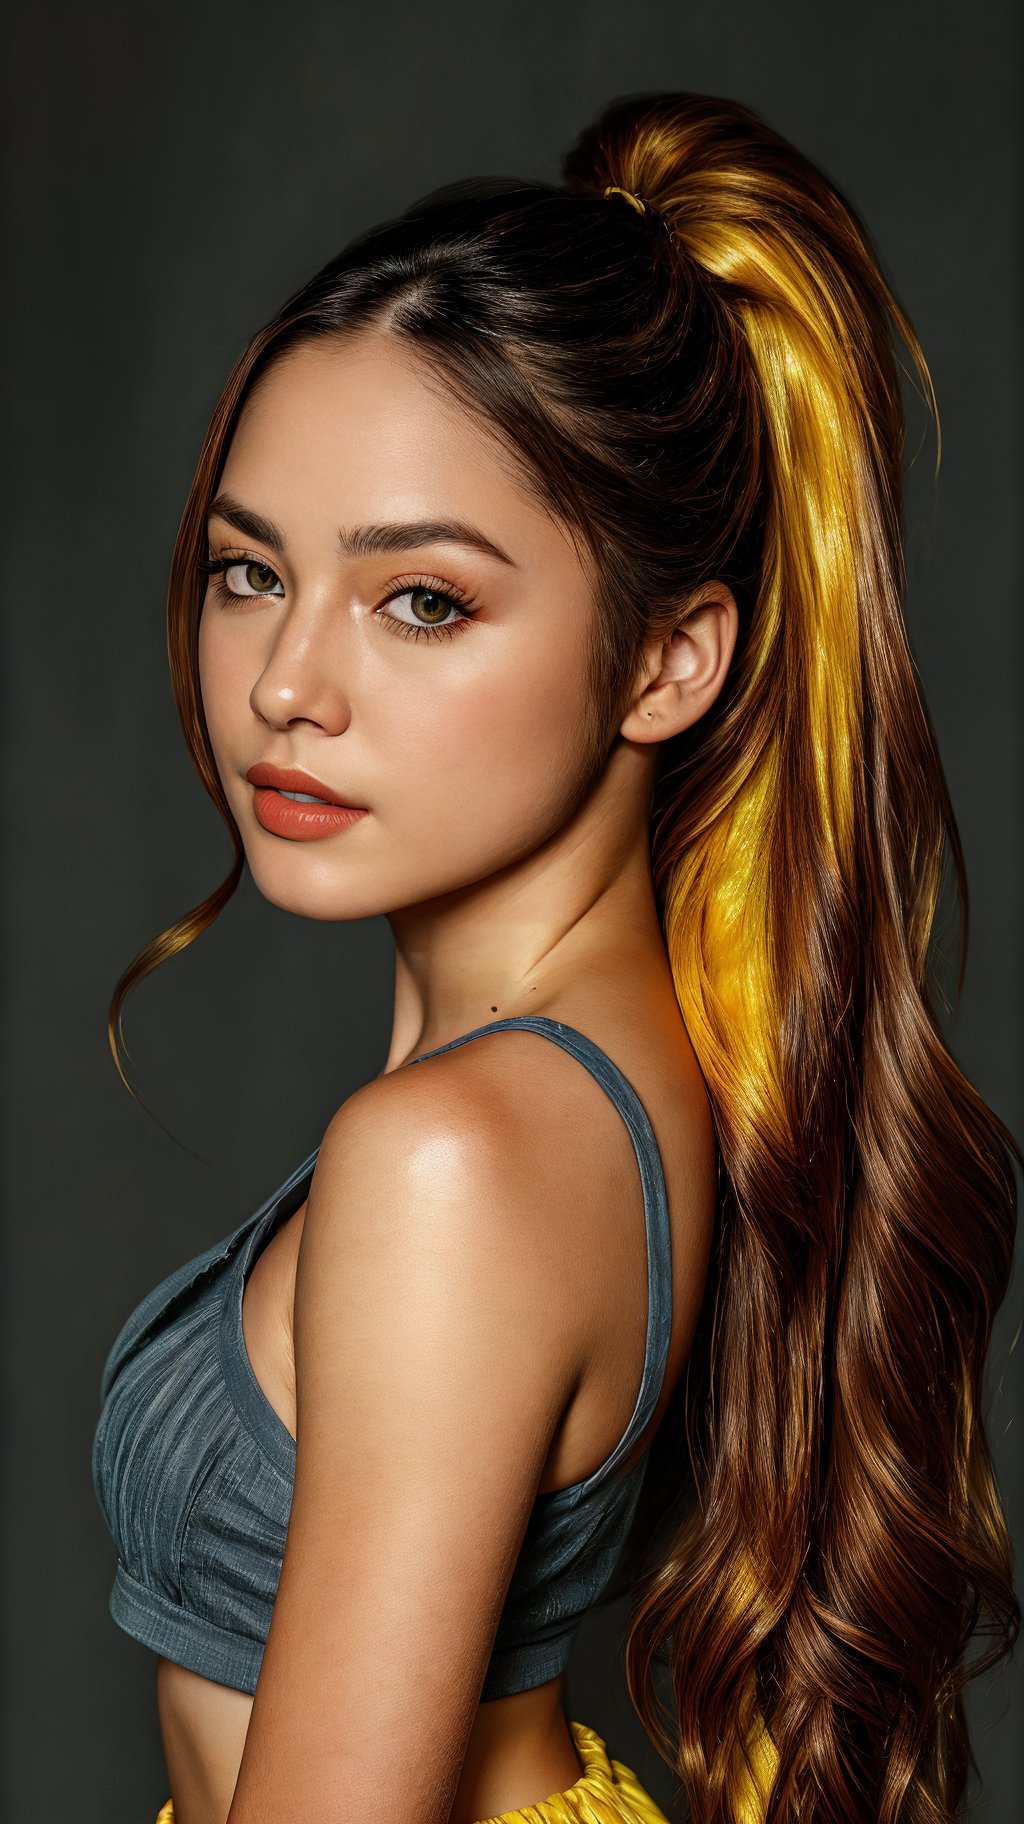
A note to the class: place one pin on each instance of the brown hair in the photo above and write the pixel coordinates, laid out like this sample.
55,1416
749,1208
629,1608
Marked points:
709,389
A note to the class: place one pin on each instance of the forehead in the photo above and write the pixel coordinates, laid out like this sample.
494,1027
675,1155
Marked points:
358,428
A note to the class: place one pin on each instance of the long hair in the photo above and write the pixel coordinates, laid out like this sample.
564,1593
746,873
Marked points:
701,378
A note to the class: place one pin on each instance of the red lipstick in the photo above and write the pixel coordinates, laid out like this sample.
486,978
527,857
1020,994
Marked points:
298,819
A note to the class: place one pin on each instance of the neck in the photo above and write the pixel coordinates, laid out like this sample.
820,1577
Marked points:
514,942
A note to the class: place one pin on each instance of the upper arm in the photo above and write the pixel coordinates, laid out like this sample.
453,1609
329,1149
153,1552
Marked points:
432,1368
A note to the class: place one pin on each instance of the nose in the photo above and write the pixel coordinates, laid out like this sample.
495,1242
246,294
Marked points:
302,678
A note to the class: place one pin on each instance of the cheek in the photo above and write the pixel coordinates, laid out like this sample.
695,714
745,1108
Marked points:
221,683
504,735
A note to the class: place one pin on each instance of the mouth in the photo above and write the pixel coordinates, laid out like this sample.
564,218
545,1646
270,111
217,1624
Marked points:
302,788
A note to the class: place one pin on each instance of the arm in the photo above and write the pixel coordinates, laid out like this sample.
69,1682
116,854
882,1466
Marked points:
433,1363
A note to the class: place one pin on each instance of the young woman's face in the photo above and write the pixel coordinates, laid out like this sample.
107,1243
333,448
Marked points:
360,635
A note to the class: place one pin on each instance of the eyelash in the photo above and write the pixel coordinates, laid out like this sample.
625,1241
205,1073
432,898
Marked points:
216,566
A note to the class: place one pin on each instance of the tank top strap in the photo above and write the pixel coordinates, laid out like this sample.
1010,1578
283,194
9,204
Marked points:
656,1219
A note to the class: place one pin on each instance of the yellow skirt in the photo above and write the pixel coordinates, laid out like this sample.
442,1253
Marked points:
607,1792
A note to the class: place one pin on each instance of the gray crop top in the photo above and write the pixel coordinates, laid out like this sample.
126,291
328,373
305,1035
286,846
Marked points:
193,1469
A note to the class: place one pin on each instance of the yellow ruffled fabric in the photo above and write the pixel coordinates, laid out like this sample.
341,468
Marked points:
607,1792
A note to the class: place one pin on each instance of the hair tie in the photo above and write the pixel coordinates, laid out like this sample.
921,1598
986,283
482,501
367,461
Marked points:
617,190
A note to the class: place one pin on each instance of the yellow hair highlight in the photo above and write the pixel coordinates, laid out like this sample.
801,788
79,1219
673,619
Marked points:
798,316
720,893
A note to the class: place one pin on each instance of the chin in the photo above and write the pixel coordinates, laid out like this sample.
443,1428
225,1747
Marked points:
313,892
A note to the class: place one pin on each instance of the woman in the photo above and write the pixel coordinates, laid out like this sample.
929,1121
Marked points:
539,587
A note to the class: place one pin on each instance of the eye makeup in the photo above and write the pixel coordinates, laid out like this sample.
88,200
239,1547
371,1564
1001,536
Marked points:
448,594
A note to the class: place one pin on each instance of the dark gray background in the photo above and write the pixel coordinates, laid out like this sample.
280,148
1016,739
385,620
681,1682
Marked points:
173,171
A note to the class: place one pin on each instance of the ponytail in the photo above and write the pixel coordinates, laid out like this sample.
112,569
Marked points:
819,1598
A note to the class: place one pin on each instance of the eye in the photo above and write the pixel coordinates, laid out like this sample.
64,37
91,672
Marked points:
256,579
247,577
426,609
242,576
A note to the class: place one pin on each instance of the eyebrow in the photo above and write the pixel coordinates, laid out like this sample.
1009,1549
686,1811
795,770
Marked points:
363,541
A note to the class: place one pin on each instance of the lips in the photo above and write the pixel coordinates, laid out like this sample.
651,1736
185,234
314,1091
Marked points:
293,779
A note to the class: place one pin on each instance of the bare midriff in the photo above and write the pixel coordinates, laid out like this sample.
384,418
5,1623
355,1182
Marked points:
520,1750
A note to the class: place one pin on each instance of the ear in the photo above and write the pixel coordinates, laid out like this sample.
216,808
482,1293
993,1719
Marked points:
684,674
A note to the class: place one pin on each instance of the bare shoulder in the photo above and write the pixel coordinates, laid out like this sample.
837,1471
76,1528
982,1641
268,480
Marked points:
482,1153
493,1124
445,1120
506,1162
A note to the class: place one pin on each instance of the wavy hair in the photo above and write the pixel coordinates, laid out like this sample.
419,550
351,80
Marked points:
701,378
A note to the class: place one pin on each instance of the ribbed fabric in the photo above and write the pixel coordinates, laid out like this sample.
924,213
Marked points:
607,1792
193,1469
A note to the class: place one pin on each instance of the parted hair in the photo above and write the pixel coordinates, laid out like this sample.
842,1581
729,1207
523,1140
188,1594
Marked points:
709,387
